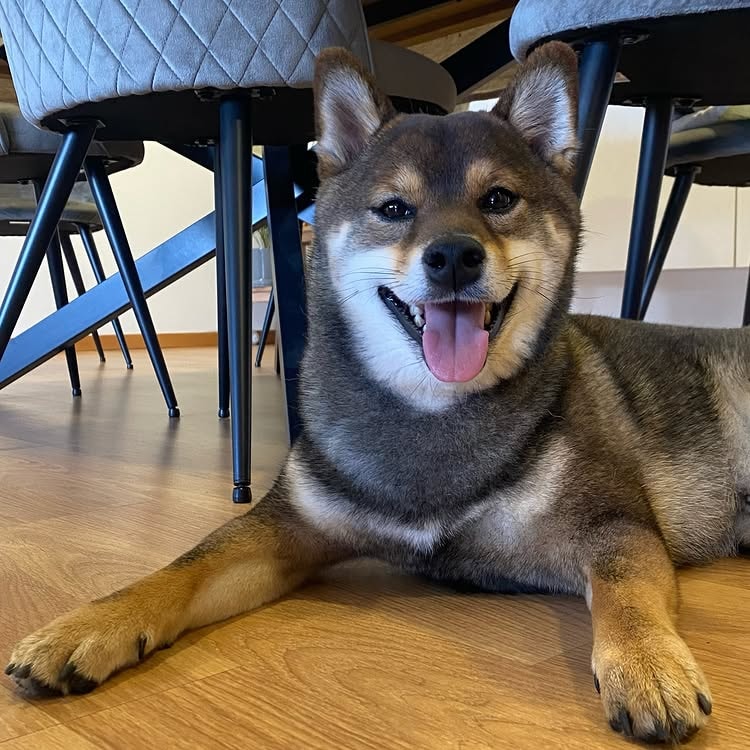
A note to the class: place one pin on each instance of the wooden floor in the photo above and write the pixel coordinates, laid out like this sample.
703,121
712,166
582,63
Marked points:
97,492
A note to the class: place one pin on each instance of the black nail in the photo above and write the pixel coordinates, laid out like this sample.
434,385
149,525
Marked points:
78,684
67,672
660,734
705,704
142,641
597,687
9,669
627,725
22,672
41,689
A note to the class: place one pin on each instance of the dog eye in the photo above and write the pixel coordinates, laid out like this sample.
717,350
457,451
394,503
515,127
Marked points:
498,200
395,210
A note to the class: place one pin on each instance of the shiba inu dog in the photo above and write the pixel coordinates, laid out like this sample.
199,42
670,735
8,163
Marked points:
458,421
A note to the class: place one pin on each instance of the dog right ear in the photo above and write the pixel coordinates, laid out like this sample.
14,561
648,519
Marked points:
541,103
349,109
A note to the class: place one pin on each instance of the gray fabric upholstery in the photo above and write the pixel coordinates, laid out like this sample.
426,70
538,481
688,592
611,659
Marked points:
17,203
17,136
405,73
534,20
717,139
710,116
69,52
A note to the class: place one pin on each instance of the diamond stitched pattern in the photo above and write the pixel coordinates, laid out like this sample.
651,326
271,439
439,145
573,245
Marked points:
66,52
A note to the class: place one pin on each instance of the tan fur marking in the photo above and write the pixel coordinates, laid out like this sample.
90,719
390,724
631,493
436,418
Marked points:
643,666
249,561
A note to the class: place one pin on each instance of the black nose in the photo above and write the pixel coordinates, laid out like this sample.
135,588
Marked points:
454,263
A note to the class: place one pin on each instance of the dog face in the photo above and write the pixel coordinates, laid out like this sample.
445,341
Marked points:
448,242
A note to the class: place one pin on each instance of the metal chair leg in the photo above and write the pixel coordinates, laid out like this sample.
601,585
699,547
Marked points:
651,163
221,294
95,261
75,274
235,147
60,293
105,204
57,277
267,320
288,275
597,70
62,177
672,213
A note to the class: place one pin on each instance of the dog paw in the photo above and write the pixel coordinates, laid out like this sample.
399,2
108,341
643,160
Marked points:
78,651
652,690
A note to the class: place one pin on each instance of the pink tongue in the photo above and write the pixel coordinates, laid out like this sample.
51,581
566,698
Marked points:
454,341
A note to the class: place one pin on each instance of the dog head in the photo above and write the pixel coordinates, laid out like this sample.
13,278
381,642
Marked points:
447,243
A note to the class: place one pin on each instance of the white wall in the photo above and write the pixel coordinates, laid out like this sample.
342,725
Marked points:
705,235
156,199
698,297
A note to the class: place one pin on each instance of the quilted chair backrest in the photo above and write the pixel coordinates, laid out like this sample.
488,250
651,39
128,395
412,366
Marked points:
63,53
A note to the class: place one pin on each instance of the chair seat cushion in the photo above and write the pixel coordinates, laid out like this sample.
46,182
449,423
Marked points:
70,52
710,116
24,141
717,140
694,51
405,74
280,115
18,204
534,20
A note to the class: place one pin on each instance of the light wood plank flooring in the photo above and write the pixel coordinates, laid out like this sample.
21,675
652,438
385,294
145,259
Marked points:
97,492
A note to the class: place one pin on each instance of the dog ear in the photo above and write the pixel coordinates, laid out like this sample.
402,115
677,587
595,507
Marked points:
349,109
542,104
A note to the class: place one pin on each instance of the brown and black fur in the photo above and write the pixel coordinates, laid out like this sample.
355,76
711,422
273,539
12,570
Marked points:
591,456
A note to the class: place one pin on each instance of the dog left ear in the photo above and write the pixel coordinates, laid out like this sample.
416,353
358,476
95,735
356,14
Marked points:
349,109
542,104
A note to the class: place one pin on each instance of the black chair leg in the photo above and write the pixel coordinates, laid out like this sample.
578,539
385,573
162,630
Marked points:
95,261
288,274
597,69
62,177
57,276
75,274
672,213
60,294
105,204
221,295
235,147
651,163
267,320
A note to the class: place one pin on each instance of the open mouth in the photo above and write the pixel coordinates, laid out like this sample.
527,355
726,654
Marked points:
454,336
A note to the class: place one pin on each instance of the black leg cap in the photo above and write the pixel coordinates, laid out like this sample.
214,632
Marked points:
242,494
174,412
76,392
129,365
224,413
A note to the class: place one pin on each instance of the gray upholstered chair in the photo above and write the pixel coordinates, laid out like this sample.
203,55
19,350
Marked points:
17,209
668,53
27,154
199,71
707,147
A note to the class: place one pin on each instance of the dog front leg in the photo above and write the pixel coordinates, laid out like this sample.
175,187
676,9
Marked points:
251,560
650,684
